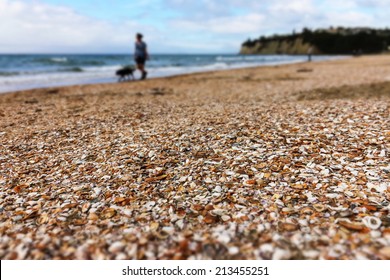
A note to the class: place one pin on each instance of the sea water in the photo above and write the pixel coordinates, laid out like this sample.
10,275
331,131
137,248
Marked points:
19,72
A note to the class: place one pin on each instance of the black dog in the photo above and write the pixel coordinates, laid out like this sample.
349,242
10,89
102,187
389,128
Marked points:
125,73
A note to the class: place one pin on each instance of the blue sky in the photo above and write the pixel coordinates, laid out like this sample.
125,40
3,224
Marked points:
170,26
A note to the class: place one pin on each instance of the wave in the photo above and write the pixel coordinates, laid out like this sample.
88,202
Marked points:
72,69
95,63
8,74
58,59
238,58
103,69
64,61
91,70
47,72
252,58
50,60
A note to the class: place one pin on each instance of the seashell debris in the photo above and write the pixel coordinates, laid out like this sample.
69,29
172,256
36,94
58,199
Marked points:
284,165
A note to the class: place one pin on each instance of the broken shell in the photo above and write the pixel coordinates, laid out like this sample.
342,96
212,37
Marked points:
225,218
107,213
351,225
43,219
154,226
280,254
116,247
218,212
319,207
288,227
385,251
209,219
168,230
180,224
93,217
85,207
233,250
372,222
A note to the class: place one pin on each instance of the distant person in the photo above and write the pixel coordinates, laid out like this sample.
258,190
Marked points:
309,54
141,55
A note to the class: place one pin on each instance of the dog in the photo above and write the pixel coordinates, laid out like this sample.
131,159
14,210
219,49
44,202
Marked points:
125,73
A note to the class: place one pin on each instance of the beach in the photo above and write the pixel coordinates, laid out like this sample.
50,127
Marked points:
274,162
29,71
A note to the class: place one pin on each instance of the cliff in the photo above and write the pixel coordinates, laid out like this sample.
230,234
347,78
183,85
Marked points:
322,41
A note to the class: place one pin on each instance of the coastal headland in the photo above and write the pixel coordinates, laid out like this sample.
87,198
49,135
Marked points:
331,41
276,162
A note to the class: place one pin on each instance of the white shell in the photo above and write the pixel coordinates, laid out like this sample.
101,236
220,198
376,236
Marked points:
372,222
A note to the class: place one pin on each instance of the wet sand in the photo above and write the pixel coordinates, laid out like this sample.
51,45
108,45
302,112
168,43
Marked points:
280,162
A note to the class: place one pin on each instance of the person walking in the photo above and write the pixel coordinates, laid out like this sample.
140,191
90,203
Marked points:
141,55
309,54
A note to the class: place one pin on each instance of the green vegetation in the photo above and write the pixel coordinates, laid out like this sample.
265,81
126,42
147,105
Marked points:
322,41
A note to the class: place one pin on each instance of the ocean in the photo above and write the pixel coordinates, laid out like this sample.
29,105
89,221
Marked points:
19,72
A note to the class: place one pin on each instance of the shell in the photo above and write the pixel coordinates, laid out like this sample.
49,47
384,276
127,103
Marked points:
372,222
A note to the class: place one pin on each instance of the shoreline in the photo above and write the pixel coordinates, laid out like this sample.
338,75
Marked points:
275,162
112,80
151,82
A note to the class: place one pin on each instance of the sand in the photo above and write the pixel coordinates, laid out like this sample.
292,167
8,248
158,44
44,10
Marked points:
278,162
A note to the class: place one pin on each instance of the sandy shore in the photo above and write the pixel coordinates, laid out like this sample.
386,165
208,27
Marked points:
281,162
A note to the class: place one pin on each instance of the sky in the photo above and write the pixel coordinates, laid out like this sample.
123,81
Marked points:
170,26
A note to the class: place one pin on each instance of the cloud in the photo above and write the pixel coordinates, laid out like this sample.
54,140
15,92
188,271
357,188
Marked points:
351,19
293,6
373,3
33,26
170,25
205,8
224,25
265,17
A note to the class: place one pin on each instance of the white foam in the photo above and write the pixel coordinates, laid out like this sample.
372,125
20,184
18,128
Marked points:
22,82
59,59
240,58
255,58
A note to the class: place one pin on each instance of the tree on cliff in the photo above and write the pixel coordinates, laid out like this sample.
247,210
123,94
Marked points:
327,41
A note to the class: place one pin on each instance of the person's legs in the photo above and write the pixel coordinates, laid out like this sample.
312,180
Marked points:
144,74
141,67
